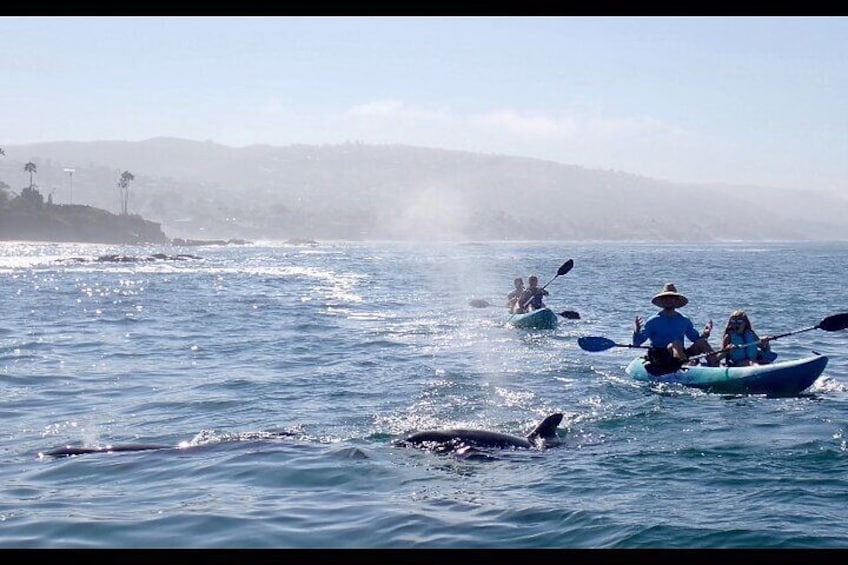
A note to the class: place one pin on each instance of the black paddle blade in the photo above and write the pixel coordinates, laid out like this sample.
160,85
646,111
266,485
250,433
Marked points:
834,323
567,266
570,315
478,303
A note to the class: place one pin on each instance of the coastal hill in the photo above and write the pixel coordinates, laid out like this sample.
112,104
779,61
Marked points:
357,191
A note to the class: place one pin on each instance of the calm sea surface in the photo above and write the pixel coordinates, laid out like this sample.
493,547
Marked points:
288,371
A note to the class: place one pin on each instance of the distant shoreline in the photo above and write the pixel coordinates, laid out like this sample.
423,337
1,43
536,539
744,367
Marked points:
361,192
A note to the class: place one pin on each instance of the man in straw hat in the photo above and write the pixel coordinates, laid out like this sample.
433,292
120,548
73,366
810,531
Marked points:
667,328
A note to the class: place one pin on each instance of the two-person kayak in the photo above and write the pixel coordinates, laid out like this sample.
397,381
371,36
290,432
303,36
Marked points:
541,319
784,378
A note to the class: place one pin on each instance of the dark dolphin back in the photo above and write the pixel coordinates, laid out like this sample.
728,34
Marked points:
68,450
544,435
456,437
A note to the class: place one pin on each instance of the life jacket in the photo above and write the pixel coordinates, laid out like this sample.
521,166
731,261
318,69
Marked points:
734,356
536,298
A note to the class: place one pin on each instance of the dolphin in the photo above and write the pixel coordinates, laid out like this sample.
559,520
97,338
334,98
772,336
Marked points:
463,441
70,450
202,438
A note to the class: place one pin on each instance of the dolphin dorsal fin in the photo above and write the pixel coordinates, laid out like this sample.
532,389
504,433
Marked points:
547,428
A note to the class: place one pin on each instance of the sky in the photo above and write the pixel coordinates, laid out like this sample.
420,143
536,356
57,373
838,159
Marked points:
735,100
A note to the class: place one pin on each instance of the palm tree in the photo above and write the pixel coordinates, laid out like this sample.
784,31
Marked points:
30,168
124,187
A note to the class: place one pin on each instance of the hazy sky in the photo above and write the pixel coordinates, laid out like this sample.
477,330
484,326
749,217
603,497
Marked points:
761,100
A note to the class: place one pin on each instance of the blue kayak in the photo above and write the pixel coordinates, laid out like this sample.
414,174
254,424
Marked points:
542,319
784,378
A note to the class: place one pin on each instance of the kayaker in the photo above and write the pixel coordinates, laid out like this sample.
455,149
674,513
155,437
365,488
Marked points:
739,332
667,328
512,297
531,298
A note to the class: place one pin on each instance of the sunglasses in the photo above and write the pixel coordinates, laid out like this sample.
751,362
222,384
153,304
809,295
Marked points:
737,321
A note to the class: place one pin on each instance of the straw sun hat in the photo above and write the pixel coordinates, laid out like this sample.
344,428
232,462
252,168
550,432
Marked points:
670,290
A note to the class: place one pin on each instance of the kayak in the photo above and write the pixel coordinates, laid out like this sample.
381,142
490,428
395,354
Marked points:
784,378
541,319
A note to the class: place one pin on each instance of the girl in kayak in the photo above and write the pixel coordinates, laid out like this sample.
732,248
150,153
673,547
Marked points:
739,333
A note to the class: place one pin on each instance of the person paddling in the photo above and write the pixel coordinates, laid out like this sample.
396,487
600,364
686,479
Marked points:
667,328
531,298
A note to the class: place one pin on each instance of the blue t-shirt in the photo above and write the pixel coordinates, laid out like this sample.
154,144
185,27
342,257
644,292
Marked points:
662,330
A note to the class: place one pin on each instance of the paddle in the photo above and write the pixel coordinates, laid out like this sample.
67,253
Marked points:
833,323
570,315
564,268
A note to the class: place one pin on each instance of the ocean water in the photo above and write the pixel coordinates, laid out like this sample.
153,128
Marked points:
283,375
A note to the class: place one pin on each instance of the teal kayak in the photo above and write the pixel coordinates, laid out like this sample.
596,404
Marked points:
542,319
784,378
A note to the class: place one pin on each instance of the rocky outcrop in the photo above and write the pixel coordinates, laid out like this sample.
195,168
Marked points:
114,258
76,223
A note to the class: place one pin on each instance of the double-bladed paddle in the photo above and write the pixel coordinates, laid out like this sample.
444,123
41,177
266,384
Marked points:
833,323
564,268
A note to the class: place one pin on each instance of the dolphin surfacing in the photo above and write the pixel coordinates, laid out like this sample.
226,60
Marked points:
69,450
458,439
203,438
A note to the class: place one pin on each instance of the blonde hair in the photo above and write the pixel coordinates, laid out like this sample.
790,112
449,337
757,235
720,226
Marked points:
738,314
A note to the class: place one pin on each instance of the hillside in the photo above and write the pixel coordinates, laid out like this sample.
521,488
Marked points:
358,191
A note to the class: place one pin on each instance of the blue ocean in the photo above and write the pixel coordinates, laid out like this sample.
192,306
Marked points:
280,376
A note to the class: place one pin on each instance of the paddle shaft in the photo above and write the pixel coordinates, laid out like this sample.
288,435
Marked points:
743,345
523,306
795,332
